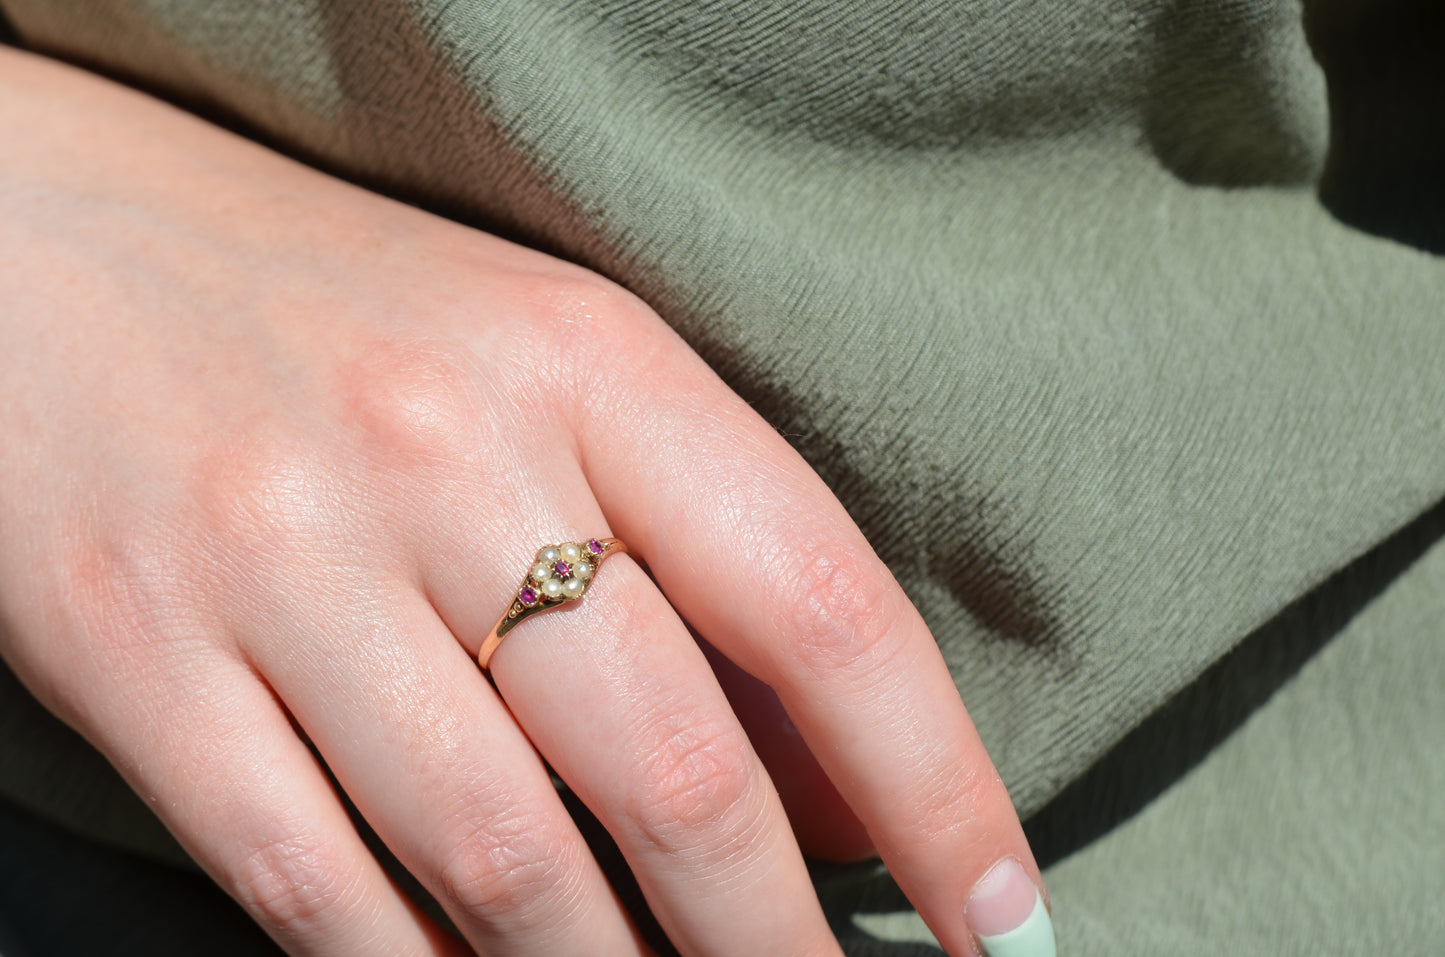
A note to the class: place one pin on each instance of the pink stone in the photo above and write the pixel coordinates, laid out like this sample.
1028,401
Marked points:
595,547
562,569
528,595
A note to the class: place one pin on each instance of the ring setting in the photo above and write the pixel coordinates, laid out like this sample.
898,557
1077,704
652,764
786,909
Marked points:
559,574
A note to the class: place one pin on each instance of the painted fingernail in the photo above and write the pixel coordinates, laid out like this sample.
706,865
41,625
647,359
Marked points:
1006,913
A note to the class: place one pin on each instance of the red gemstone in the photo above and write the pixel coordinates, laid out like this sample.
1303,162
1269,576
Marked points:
528,595
562,569
595,547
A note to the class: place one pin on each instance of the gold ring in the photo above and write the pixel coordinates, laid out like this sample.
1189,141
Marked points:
562,573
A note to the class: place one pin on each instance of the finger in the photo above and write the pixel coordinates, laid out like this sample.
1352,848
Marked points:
770,569
438,767
825,825
225,771
621,701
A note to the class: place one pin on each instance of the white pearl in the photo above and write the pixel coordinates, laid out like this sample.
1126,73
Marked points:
571,553
572,588
582,570
540,573
548,555
552,588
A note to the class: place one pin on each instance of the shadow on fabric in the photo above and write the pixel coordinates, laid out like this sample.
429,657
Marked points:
1171,741
1384,63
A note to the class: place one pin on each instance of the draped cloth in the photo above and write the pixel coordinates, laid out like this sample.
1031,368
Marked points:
1115,324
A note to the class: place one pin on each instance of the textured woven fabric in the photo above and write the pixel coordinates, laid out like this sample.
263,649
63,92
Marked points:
1317,829
1073,305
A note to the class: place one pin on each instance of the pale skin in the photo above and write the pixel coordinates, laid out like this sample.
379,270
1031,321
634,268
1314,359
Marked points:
276,453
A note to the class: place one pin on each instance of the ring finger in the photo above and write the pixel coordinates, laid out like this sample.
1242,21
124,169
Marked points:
621,701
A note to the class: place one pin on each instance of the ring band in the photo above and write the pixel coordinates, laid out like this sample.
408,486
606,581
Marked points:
561,573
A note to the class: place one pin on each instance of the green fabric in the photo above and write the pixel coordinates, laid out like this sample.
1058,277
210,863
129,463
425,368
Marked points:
1046,292
1317,829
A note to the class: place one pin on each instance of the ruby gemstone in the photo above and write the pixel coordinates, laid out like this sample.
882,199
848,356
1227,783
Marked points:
562,569
528,595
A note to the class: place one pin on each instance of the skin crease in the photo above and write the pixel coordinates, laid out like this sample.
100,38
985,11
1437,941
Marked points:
262,432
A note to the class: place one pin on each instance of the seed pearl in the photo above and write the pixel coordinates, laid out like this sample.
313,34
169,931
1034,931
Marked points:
572,588
548,555
552,588
571,553
582,570
540,573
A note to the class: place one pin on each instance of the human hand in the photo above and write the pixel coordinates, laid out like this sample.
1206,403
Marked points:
276,455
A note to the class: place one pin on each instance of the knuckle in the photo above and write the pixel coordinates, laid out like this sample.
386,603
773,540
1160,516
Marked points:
258,498
846,615
945,802
510,872
596,325
417,403
293,886
588,299
120,594
606,349
698,791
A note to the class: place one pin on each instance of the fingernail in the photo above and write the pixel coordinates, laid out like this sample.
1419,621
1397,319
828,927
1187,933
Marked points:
1006,913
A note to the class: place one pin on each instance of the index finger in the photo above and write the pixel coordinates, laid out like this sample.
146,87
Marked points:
758,555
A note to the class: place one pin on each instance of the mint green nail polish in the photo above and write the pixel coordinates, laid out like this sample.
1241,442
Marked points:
1033,938
1007,914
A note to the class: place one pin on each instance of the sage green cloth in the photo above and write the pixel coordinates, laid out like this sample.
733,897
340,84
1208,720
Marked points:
1318,828
1073,305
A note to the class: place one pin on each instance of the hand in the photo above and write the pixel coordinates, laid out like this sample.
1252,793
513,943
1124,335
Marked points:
276,454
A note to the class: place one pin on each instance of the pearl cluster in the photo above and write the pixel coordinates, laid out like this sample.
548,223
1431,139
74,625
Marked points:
560,574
